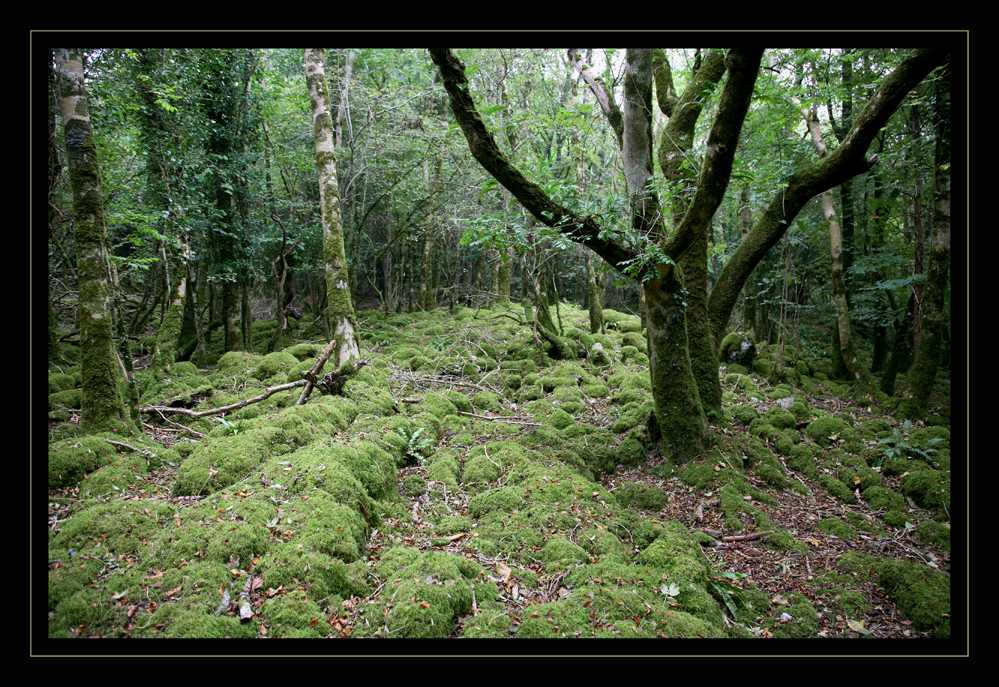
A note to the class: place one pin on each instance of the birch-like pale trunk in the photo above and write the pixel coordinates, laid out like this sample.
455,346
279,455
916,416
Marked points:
339,306
103,387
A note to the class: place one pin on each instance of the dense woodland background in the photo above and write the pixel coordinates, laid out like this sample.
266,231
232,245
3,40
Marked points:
187,221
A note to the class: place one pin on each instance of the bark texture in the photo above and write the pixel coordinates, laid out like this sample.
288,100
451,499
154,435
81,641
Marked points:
339,306
923,374
104,405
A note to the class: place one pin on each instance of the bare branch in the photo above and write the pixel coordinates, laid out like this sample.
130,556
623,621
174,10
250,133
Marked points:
743,67
604,98
483,147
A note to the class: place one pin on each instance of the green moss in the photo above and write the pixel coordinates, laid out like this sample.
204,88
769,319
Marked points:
221,461
781,419
837,528
935,534
920,592
744,382
882,498
71,398
804,621
856,474
459,400
424,594
304,351
928,488
369,399
60,381
443,467
632,416
70,459
120,527
677,554
414,485
488,623
487,400
837,488
274,364
288,565
560,553
504,498
569,399
823,429
745,414
293,615
119,475
638,495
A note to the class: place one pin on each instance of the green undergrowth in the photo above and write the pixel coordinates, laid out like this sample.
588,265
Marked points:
466,510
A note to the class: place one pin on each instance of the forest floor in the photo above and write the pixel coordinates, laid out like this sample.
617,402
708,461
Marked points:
467,485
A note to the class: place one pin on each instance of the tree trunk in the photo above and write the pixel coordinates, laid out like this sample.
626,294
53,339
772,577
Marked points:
504,274
679,415
901,353
339,306
922,376
55,169
104,404
595,296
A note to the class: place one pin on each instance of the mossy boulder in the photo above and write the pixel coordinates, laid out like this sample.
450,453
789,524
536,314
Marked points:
737,348
639,495
71,459
424,594
274,364
824,429
928,488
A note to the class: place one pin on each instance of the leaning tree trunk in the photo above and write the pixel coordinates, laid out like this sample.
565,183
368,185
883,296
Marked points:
339,306
104,404
922,376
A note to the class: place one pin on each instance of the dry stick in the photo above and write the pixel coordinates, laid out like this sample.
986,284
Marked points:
511,420
268,392
120,444
193,432
310,376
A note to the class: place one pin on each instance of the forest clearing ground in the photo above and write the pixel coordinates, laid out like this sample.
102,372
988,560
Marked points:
536,473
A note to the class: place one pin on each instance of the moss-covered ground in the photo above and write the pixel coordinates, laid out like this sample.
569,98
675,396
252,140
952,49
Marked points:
467,485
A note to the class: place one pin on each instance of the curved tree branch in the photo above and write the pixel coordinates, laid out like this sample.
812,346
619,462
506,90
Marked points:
604,97
483,147
743,65
844,163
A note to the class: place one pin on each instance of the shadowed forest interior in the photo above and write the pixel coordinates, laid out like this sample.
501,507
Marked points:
499,343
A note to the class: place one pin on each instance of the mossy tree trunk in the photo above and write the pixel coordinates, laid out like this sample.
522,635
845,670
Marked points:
922,376
843,343
846,162
339,306
55,169
678,408
679,414
595,287
104,403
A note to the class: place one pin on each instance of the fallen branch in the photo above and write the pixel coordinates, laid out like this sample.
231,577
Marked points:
268,392
120,444
180,427
715,534
310,376
511,420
